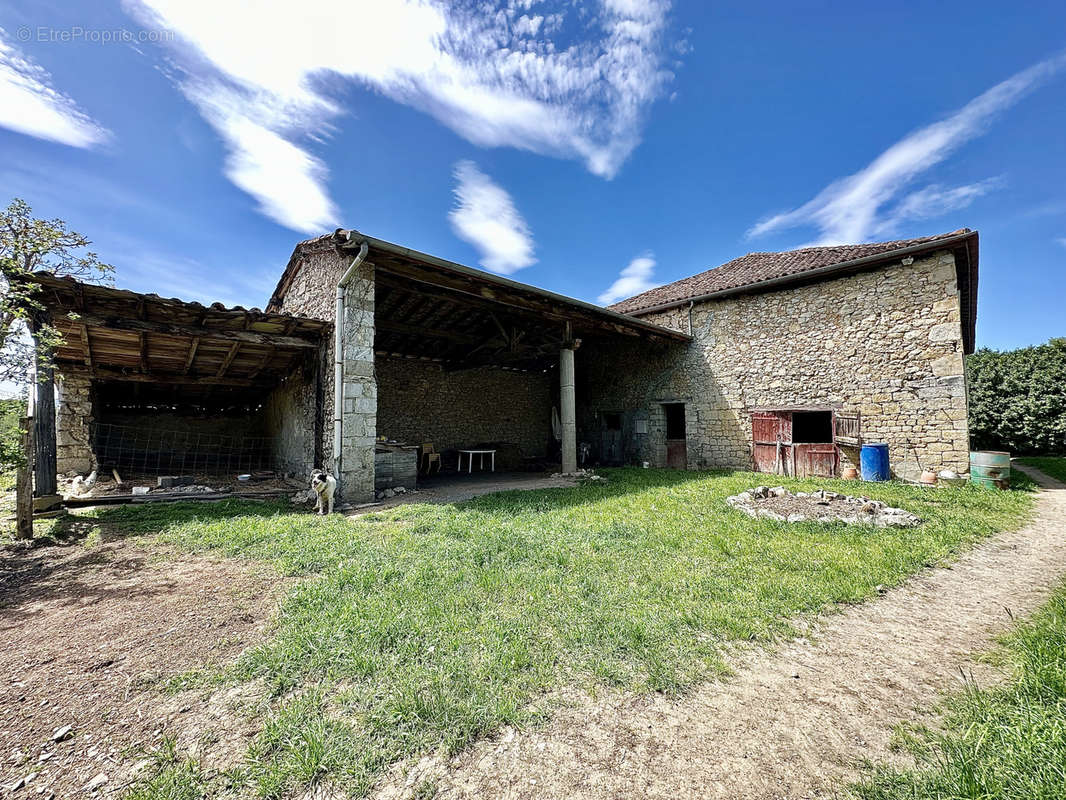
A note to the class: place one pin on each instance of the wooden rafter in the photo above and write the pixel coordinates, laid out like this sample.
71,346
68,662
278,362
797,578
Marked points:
160,378
194,345
403,328
88,347
232,354
143,345
173,329
267,358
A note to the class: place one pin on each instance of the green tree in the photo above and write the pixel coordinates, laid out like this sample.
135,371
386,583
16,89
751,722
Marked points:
1018,398
29,245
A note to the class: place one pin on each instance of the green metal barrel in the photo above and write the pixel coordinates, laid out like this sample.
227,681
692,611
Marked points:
990,468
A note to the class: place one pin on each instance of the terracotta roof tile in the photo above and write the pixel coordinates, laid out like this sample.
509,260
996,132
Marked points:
754,268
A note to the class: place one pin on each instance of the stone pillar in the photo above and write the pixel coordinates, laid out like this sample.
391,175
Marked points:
359,421
568,408
73,417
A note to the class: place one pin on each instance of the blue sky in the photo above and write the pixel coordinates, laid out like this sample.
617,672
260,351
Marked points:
593,149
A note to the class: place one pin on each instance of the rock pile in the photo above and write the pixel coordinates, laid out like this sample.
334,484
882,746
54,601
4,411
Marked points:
582,475
820,506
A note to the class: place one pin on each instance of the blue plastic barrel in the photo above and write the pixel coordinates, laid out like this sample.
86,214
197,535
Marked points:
873,462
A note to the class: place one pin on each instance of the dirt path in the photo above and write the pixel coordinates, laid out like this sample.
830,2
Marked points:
86,635
789,725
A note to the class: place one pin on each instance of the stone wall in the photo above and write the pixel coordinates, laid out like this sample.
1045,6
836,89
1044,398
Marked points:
289,417
886,343
419,402
74,414
312,294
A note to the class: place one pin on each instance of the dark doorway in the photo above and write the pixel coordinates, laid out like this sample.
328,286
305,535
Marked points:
611,441
812,427
676,447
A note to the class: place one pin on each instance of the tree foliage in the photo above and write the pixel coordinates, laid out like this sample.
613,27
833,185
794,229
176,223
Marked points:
1018,398
29,245
11,411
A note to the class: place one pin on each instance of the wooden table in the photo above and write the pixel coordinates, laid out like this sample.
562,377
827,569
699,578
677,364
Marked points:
470,459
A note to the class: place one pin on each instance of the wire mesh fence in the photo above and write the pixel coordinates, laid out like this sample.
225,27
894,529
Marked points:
150,450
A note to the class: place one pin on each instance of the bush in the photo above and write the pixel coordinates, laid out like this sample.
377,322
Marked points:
10,453
1018,398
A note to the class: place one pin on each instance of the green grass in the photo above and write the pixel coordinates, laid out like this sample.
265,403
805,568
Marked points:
1052,466
424,627
1007,742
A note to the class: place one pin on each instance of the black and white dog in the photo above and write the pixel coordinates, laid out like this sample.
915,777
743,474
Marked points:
324,486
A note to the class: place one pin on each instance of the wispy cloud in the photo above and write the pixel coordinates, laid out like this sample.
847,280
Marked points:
485,216
288,181
1061,240
854,208
567,81
30,104
932,201
637,277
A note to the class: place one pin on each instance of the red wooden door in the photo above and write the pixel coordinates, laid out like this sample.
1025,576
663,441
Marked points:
816,460
771,435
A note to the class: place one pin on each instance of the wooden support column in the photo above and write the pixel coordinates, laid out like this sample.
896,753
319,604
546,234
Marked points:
44,433
568,403
24,483
44,422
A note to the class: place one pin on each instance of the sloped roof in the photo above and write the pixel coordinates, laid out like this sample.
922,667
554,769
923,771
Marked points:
756,268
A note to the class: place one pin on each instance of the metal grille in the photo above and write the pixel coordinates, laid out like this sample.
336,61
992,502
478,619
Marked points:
150,450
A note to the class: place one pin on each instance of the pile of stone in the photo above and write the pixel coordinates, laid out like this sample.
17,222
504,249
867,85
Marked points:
778,503
581,475
189,488
385,494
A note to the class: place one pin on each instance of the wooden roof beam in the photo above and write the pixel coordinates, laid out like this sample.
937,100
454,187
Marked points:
388,326
173,329
162,378
194,345
88,347
232,354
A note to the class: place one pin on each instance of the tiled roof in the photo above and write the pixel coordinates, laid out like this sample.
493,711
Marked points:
754,268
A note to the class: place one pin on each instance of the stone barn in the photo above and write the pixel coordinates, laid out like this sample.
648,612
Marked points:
783,362
796,358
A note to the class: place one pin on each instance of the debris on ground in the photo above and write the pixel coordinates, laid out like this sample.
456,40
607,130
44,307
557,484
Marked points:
778,503
586,475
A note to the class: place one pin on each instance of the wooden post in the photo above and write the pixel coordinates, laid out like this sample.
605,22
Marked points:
24,484
44,420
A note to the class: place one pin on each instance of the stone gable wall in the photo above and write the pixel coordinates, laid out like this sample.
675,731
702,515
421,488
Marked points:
886,343
312,294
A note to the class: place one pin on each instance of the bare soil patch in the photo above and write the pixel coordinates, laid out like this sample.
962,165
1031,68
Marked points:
89,633
795,723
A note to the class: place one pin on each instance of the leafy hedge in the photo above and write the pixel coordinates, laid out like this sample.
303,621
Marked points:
10,413
1018,399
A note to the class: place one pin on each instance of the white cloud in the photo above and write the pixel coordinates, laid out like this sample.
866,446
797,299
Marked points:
848,209
288,182
1061,240
637,277
29,104
932,201
569,82
486,217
